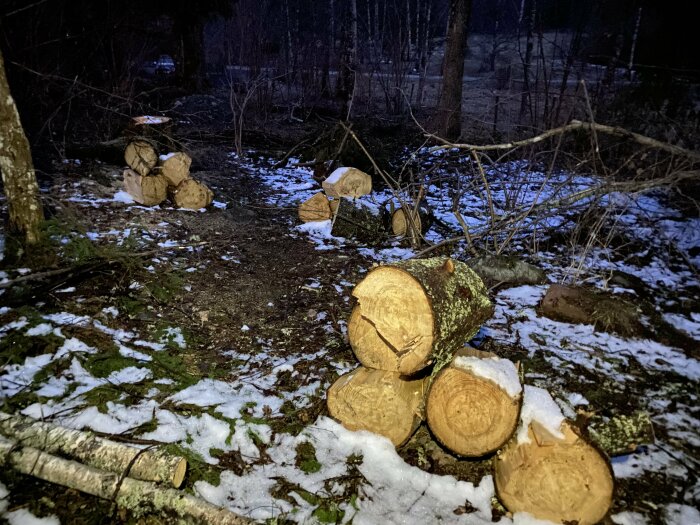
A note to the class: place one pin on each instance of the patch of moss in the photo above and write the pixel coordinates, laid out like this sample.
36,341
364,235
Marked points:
306,458
616,315
102,364
101,395
16,346
329,512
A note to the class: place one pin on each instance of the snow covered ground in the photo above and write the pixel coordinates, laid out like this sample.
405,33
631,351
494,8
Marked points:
356,476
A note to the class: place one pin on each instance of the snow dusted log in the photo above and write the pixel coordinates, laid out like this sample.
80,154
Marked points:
316,208
415,313
416,221
347,182
175,167
140,497
149,190
192,195
358,220
149,465
141,156
549,470
473,404
378,401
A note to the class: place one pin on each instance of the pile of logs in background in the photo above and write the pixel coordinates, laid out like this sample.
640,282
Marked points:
408,331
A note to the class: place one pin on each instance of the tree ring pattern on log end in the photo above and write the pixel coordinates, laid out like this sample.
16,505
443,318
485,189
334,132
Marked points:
469,415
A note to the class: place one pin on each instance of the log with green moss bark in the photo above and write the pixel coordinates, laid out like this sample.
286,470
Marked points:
149,465
359,220
621,434
140,497
416,313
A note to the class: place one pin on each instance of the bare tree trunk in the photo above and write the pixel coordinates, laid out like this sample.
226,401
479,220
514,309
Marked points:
424,58
348,62
448,119
525,98
18,176
633,48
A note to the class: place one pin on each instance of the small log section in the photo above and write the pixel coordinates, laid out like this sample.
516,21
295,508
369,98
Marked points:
149,190
411,223
149,465
316,208
347,182
416,313
175,167
357,220
141,157
192,195
378,401
140,497
561,480
470,414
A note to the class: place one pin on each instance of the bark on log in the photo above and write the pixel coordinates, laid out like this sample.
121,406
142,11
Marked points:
150,190
192,195
316,208
415,313
175,167
141,156
414,223
622,434
473,405
140,497
378,401
150,465
347,182
500,269
358,220
561,480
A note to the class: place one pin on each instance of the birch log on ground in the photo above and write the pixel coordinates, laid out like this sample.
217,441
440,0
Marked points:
175,167
141,156
473,404
149,190
347,182
561,479
356,219
192,195
416,313
378,401
315,208
140,497
148,465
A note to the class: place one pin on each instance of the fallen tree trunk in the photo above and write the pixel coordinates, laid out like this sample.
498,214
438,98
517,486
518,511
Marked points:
141,156
358,220
378,401
140,497
415,313
315,208
149,190
347,182
175,167
148,465
621,435
561,479
473,404
192,195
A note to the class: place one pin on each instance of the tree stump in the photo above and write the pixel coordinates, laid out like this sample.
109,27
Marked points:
150,190
141,156
378,401
316,208
415,313
175,167
157,129
473,405
359,220
347,182
192,195
558,479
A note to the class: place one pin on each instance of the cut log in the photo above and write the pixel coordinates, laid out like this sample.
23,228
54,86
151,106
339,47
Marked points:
561,479
621,434
473,405
347,182
378,401
316,208
140,497
506,269
415,313
403,224
149,465
141,156
175,167
192,195
150,190
356,219
157,129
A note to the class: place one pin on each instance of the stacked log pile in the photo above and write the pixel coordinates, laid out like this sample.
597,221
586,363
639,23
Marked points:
407,330
152,178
